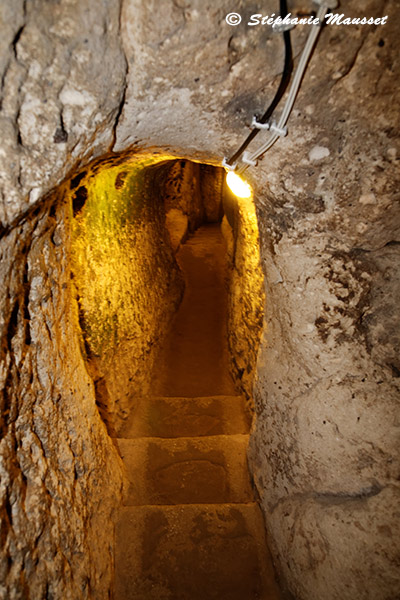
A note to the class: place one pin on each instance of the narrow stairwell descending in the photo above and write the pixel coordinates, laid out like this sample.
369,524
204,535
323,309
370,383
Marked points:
191,528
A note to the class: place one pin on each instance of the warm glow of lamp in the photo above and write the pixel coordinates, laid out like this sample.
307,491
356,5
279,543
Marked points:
237,185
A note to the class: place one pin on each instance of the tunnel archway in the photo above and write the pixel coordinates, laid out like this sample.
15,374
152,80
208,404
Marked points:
170,381
129,216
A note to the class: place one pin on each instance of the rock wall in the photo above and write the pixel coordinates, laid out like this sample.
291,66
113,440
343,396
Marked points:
246,290
61,477
62,76
62,81
325,449
192,195
183,201
126,277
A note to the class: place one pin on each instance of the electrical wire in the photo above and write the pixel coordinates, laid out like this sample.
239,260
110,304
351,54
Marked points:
287,71
308,48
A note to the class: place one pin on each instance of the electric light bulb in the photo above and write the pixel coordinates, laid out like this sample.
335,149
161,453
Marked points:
237,185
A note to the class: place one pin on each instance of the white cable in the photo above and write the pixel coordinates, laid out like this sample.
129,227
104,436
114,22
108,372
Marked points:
294,88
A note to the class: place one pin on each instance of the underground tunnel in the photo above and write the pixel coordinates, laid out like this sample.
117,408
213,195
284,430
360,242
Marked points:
115,117
165,263
129,219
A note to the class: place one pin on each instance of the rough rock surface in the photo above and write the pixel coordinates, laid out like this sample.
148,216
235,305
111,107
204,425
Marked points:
61,476
325,449
246,290
325,446
127,280
62,80
195,190
62,76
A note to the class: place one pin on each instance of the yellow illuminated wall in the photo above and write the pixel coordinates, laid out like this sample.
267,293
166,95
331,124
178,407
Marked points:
246,299
124,273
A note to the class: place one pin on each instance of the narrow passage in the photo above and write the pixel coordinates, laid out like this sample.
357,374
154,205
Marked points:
190,528
195,360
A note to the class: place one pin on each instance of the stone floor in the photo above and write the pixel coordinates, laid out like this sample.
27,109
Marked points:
191,528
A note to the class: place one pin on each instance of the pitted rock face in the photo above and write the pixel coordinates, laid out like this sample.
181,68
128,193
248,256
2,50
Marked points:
61,476
63,76
79,80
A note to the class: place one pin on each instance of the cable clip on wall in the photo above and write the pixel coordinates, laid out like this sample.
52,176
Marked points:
242,158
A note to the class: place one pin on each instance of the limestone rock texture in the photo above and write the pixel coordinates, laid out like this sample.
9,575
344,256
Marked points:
191,195
126,278
62,81
325,446
60,473
246,290
61,477
81,80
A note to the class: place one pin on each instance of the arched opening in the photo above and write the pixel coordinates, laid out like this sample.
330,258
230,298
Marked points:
129,218
165,264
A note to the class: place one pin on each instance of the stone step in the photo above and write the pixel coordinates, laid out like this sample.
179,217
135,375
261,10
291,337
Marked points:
193,552
198,470
185,417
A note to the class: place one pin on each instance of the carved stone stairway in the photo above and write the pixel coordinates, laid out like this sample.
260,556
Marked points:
190,528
